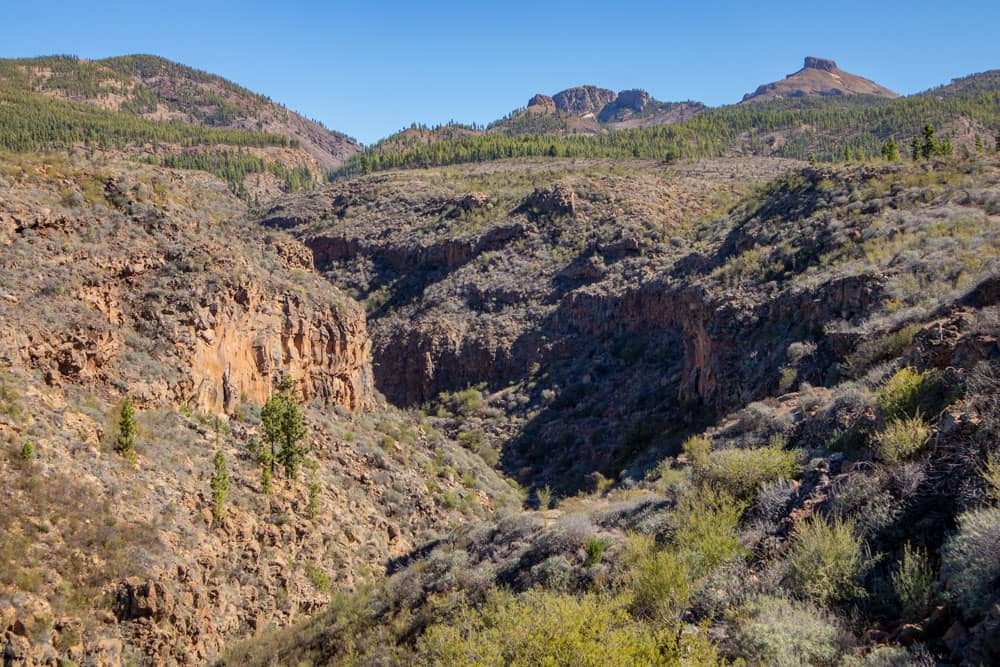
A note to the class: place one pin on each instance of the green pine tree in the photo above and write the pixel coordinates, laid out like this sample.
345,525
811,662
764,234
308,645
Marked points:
220,486
125,443
979,144
930,144
284,428
915,148
266,469
314,488
890,150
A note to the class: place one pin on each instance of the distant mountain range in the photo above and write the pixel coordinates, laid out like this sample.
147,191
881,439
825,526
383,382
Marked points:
160,111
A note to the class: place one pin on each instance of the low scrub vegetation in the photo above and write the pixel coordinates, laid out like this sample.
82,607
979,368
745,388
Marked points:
826,561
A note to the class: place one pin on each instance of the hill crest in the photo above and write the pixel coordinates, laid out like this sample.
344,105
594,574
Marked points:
819,77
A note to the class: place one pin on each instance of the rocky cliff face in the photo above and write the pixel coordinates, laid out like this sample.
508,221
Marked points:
614,314
542,102
135,308
139,281
583,99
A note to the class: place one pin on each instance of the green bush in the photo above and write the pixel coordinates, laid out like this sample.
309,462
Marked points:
544,496
826,561
779,632
555,573
991,474
319,578
466,402
544,628
705,531
595,548
970,561
658,578
696,449
913,582
741,471
901,395
874,350
903,438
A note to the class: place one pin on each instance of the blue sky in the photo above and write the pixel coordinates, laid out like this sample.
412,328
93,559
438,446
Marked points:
369,69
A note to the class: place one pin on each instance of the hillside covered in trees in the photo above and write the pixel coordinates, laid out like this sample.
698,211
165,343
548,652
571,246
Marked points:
818,128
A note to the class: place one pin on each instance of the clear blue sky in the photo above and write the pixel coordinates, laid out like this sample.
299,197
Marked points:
369,69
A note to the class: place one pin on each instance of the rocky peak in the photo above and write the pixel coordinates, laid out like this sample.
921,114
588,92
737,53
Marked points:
819,63
583,99
635,99
540,101
819,77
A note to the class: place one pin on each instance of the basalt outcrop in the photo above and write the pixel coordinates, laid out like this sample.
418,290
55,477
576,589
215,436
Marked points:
152,284
136,309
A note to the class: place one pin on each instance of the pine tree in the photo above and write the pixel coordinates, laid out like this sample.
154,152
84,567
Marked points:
314,488
284,428
220,486
930,145
915,148
996,145
979,144
890,150
266,469
125,443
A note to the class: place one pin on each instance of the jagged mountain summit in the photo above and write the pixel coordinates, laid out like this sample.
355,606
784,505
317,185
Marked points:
822,77
607,110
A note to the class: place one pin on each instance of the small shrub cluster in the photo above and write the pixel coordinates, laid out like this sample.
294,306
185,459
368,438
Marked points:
913,583
970,561
544,628
740,472
788,633
903,438
826,561
659,580
902,394
705,531
871,351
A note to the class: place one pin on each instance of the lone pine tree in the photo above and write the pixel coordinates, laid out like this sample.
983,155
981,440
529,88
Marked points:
220,486
125,443
284,429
